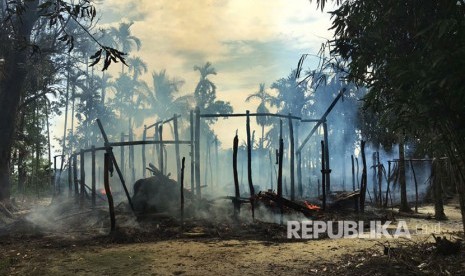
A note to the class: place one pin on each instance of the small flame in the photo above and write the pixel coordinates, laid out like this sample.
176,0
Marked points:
311,206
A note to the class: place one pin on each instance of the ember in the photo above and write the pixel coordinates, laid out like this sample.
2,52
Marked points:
311,206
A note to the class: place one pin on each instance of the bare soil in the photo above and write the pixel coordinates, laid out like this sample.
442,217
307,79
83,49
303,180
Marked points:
158,246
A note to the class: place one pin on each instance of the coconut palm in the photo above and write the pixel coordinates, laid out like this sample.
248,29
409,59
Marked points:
124,39
137,66
265,99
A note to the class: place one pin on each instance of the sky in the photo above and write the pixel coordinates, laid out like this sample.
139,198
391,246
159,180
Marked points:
248,42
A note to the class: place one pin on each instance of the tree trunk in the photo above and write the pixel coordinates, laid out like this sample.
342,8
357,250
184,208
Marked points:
403,184
10,95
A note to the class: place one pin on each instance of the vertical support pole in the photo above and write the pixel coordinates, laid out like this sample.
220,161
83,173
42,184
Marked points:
176,147
192,151
353,172
182,189
280,176
76,185
416,186
156,158
291,156
249,155
70,177
327,168
197,152
237,205
160,162
144,160
363,185
380,180
122,154
55,183
93,178
388,184
323,173
106,182
83,179
217,164
131,157
299,162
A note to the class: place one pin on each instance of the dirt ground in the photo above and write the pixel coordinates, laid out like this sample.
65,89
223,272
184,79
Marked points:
204,248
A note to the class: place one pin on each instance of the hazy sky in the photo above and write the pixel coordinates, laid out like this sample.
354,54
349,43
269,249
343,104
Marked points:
247,41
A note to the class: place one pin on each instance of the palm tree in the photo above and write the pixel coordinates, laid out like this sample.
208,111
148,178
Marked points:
125,40
264,98
205,91
161,98
137,66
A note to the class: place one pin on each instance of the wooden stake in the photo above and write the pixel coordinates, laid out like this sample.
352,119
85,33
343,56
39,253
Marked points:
176,146
299,164
70,178
363,186
291,156
76,185
249,165
323,174
280,176
161,161
416,186
94,192
83,180
328,170
237,206
192,152
197,152
106,182
122,161
144,161
182,191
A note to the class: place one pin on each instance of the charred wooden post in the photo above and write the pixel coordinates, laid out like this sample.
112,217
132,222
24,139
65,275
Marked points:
363,186
357,173
83,179
109,150
353,182
375,189
271,170
217,164
156,146
280,176
144,160
237,205
176,146
327,168
249,164
380,180
122,153
106,182
299,163
160,160
75,175
56,188
192,151
70,177
131,156
291,156
94,192
182,191
323,174
388,184
416,186
197,152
